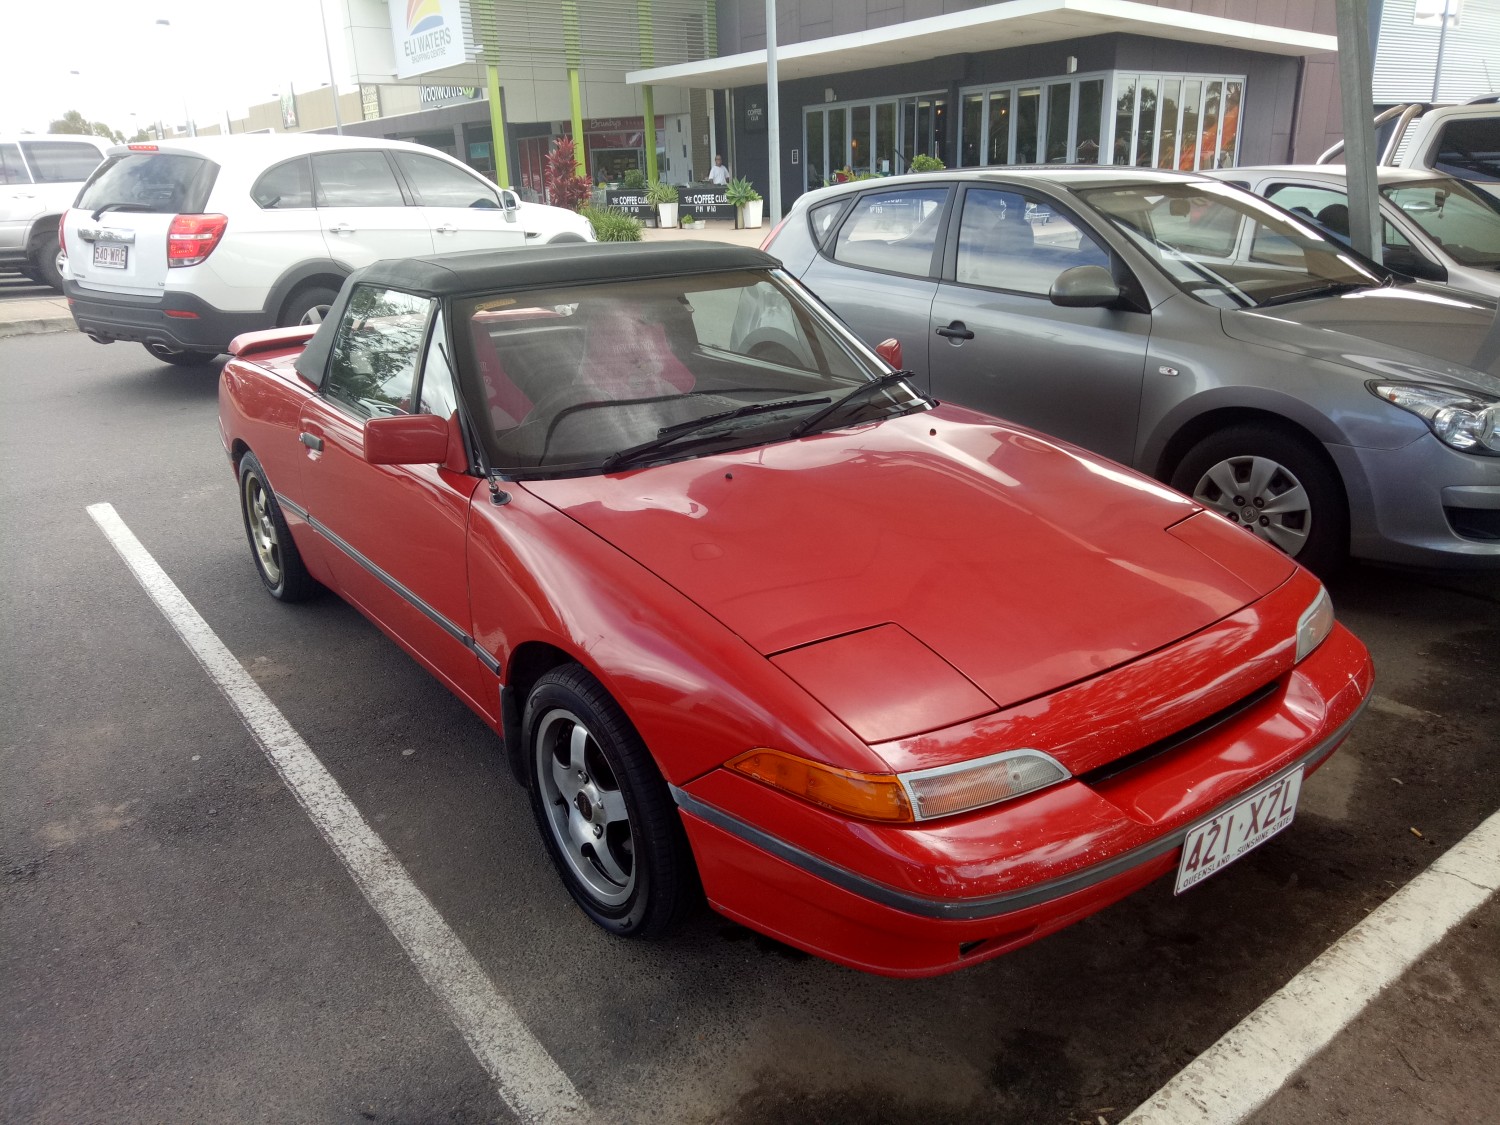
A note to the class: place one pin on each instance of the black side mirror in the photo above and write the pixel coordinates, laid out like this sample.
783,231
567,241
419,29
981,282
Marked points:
1084,287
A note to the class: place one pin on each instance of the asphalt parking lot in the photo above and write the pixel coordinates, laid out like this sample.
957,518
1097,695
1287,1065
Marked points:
180,943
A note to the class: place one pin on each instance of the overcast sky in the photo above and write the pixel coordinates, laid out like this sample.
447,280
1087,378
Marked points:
216,55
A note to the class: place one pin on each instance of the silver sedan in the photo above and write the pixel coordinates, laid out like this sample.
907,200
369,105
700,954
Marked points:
1191,330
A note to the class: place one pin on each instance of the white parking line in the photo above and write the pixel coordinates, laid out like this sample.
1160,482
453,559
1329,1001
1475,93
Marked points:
528,1080
1244,1069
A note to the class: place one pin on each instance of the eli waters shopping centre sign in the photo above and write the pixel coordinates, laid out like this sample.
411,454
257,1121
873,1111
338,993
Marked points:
428,34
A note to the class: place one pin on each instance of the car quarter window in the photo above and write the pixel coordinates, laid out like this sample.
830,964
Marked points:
287,185
61,162
12,171
892,230
373,363
362,178
439,395
439,184
1009,240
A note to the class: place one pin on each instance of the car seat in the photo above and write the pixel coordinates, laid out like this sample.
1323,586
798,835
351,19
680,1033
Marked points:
508,404
629,352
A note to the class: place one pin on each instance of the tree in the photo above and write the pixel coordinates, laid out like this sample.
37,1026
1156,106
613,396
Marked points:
565,187
75,123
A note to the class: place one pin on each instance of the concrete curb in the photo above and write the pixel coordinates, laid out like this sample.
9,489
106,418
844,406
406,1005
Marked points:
35,326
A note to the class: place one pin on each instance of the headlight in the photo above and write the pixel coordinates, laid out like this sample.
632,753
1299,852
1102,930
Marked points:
1460,419
905,797
1315,624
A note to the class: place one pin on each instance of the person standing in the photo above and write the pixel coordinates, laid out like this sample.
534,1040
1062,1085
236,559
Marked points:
718,174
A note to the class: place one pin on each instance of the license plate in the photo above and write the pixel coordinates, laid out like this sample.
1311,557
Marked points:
110,254
1249,822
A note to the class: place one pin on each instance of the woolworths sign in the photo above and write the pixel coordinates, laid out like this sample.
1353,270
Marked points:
448,95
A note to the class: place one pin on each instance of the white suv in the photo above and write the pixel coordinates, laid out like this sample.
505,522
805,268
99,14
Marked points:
39,177
182,245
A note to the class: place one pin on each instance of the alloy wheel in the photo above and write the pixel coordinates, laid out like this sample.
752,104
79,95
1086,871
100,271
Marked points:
586,810
262,529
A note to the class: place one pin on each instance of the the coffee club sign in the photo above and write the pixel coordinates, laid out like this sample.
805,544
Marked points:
449,95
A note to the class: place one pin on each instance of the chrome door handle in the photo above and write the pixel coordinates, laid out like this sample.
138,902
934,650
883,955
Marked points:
956,331
446,228
341,228
312,441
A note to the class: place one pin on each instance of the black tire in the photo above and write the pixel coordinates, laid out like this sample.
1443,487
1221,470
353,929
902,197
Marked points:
44,261
178,357
307,306
271,545
604,812
1284,484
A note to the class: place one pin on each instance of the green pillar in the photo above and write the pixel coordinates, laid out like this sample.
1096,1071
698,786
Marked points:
648,101
573,42
497,128
650,108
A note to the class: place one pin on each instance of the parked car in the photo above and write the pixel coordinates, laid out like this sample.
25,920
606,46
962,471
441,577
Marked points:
896,683
1462,141
182,245
39,177
1433,227
1187,328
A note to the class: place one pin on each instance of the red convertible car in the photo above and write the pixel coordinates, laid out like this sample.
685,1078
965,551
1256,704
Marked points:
899,684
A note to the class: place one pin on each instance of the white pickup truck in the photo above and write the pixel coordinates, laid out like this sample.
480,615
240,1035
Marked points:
1458,140
40,175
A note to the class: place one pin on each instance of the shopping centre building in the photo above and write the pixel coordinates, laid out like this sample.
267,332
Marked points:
864,87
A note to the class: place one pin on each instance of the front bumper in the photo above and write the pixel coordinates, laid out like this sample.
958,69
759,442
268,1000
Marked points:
1422,504
196,326
919,900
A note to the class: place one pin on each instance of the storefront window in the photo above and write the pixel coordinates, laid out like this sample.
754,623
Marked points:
1208,145
1171,101
999,146
1090,121
859,139
972,125
1124,117
838,140
1059,105
1145,126
1028,123
817,163
1229,125
885,138
1188,144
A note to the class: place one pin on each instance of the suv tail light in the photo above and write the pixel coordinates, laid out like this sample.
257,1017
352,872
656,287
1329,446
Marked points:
191,238
62,235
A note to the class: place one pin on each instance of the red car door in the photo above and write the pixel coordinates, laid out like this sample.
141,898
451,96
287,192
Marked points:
395,535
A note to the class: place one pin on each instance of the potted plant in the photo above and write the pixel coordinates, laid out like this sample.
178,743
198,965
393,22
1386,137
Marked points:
746,201
664,198
687,221
635,180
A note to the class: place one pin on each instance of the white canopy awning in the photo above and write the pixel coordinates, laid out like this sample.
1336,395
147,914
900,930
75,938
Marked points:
1017,23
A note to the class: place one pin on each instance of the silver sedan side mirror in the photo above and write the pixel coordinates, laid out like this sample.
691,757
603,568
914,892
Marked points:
1084,287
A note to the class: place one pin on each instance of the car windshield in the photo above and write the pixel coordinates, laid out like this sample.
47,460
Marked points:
614,375
1453,215
1228,248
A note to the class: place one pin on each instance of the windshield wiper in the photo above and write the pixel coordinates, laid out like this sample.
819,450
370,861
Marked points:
1331,289
695,427
860,393
119,207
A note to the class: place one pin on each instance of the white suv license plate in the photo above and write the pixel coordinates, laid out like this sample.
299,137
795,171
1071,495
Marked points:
1249,822
110,254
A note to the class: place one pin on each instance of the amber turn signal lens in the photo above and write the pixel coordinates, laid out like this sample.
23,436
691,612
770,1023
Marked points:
871,796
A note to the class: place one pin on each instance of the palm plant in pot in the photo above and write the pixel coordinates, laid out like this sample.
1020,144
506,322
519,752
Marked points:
664,198
746,201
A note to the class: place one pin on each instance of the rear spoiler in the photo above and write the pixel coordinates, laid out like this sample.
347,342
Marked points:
271,340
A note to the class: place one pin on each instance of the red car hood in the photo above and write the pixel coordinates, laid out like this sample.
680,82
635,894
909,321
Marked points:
1022,562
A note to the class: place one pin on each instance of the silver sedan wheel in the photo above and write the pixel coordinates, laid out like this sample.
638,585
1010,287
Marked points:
314,315
262,529
1260,495
586,810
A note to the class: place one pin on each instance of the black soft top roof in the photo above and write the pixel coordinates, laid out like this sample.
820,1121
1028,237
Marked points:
541,267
